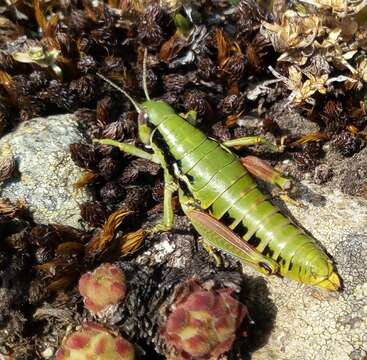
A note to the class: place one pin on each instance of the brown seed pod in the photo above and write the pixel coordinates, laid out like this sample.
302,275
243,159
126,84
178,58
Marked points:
220,131
84,88
138,198
58,94
231,104
83,155
347,144
93,212
175,82
196,100
114,131
150,31
111,193
8,167
234,66
109,167
103,111
304,161
30,107
86,64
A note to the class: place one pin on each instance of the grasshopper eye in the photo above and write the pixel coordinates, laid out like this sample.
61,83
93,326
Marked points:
143,118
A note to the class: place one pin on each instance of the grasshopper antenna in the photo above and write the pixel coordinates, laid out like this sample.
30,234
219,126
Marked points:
145,87
136,106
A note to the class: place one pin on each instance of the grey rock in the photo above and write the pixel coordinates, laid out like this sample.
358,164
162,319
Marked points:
47,172
312,324
350,173
291,121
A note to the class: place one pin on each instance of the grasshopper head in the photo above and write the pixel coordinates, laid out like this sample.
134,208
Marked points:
156,111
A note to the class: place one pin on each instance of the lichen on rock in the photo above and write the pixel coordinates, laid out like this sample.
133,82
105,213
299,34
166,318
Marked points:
47,173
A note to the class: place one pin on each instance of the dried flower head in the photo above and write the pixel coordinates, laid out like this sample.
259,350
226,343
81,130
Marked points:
295,31
302,90
340,7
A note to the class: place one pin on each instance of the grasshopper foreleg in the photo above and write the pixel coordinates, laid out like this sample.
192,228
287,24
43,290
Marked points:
129,149
169,188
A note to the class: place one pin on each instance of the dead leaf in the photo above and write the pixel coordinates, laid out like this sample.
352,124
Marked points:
69,248
316,136
222,46
98,243
131,242
87,178
172,46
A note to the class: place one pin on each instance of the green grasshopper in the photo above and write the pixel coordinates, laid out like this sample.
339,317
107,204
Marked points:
220,197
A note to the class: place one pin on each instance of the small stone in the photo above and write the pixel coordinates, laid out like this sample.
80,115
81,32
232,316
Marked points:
41,149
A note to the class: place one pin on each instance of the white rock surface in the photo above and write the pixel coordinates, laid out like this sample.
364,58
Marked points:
311,324
41,149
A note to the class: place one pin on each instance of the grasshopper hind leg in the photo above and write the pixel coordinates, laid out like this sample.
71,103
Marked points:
221,237
212,252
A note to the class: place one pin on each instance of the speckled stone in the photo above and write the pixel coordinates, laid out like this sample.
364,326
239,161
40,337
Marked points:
312,324
41,149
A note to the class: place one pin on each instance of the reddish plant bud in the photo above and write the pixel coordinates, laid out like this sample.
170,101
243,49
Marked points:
102,289
93,341
202,323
